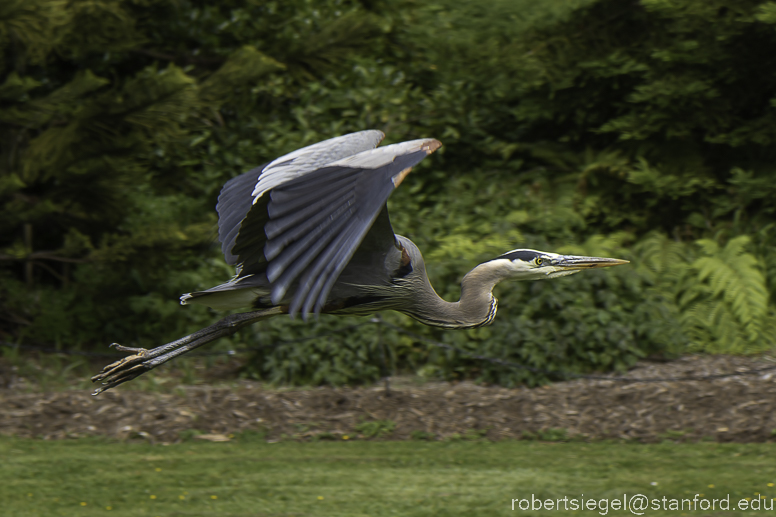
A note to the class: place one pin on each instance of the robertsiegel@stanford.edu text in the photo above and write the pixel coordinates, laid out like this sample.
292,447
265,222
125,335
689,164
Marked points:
639,503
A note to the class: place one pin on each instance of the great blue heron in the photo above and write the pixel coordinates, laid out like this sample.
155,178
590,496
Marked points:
309,233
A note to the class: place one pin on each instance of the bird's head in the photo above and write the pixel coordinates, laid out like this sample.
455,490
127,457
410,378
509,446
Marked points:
523,264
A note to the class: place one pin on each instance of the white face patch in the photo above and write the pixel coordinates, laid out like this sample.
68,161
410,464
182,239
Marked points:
532,259
536,265
526,264
558,274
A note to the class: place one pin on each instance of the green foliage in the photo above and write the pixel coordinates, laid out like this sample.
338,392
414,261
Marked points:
555,434
718,297
337,358
104,186
638,130
376,428
422,435
728,305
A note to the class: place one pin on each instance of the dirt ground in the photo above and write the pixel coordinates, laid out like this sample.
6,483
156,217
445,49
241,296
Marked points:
740,409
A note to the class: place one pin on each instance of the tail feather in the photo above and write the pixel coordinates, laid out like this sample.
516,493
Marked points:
225,297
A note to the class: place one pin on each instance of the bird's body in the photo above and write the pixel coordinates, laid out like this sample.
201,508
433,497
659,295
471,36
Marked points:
310,233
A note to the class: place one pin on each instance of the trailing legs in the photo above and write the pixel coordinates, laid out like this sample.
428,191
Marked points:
143,360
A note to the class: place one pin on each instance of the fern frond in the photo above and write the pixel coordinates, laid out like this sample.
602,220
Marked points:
729,303
666,262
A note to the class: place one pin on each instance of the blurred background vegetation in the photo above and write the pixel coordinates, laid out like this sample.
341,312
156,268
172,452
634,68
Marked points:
642,130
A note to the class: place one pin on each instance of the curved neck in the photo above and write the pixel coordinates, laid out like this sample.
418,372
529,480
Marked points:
477,306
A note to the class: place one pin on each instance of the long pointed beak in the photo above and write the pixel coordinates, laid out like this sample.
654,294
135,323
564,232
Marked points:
575,263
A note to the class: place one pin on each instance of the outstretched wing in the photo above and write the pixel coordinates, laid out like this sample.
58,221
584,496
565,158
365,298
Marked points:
239,194
302,224
316,222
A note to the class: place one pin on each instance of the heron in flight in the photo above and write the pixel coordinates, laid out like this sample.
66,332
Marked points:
309,234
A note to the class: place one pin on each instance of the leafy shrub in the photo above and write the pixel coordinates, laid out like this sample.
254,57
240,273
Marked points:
638,130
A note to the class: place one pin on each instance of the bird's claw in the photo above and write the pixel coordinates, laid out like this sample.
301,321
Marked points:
122,348
122,370
119,377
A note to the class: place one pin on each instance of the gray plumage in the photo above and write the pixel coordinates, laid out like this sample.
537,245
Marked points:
310,233
293,225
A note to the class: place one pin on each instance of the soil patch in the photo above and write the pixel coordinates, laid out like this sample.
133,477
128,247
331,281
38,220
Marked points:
740,409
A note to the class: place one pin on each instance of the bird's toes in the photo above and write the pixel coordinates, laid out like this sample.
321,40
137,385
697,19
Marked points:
122,348
122,364
120,377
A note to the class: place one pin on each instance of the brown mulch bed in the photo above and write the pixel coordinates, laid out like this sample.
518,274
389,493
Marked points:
741,409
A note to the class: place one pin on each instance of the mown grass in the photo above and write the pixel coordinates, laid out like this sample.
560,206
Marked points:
249,477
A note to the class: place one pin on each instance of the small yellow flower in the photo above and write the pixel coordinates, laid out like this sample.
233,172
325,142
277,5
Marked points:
213,497
29,495
711,486
320,498
762,497
109,508
345,437
181,497
152,496
748,498
83,503
770,484
158,469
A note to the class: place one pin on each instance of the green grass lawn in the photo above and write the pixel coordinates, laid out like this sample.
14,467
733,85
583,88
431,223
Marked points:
249,477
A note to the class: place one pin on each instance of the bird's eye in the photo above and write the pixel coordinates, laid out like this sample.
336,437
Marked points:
538,261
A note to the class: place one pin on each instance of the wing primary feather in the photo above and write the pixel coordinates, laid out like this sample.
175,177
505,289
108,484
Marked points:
289,233
318,301
309,285
234,203
282,221
305,297
250,239
284,201
284,270
332,272
277,247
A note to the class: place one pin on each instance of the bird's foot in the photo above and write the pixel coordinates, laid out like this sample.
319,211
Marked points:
119,377
122,370
143,360
139,355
